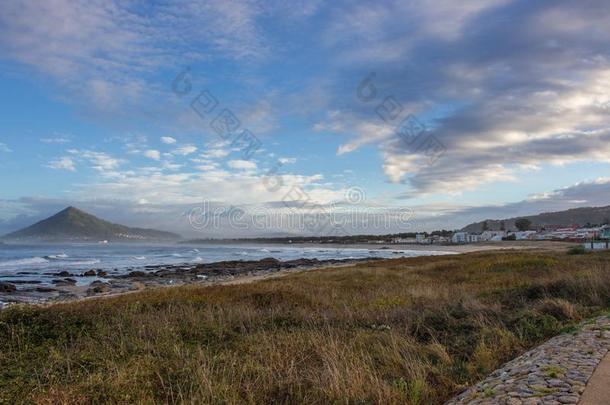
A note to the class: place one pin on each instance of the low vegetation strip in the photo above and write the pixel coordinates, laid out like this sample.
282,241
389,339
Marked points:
417,330
556,372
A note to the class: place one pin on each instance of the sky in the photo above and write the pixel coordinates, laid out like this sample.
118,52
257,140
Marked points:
233,118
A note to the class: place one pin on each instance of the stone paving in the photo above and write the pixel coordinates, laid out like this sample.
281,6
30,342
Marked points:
554,373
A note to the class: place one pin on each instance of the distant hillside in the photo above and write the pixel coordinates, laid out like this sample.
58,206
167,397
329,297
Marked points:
579,216
76,225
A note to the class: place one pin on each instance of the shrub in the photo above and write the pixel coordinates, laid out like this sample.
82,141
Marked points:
577,250
559,309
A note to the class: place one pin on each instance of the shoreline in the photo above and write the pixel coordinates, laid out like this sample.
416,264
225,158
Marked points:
160,276
460,248
229,272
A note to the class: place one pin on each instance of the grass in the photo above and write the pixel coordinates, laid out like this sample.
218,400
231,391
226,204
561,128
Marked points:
412,331
553,371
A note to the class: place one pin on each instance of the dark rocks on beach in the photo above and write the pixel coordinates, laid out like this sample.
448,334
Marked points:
24,281
89,273
101,273
98,287
230,268
64,274
137,274
7,287
45,289
64,282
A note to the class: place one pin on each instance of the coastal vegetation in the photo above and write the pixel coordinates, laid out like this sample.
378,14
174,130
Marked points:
415,330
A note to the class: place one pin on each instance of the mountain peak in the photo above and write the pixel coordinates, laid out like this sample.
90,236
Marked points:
74,224
71,210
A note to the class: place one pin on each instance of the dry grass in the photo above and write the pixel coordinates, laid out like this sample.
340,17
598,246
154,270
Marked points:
398,331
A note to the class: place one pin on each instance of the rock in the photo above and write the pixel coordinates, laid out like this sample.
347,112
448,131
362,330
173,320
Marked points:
24,282
64,274
45,289
568,399
65,282
98,287
137,274
89,273
101,273
7,287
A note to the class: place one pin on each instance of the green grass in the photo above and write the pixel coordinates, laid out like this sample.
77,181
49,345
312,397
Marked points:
401,331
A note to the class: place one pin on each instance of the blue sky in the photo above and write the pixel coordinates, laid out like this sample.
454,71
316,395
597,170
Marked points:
513,98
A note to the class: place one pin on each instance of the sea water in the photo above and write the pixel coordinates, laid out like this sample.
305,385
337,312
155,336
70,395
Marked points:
38,264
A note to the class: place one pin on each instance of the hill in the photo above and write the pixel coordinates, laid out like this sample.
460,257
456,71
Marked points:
577,216
76,225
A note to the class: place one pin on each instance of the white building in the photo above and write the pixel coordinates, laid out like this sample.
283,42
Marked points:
524,235
459,237
475,238
493,236
421,238
403,240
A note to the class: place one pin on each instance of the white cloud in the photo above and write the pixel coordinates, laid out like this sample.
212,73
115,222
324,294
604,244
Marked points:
171,166
100,161
4,148
543,98
59,139
168,140
242,164
63,163
287,161
215,154
206,167
185,150
112,43
153,154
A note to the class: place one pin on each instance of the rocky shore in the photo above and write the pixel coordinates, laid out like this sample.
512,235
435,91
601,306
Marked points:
94,282
554,373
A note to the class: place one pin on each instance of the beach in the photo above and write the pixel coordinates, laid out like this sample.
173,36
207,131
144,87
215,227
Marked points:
91,277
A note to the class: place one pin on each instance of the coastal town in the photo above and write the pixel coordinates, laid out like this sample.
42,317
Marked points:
592,237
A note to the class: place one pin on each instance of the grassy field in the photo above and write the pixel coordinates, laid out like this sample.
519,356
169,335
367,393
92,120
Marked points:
398,331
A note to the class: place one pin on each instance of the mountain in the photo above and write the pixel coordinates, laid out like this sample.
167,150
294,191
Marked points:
76,225
574,216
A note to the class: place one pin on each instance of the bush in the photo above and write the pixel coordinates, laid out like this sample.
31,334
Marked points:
577,250
559,309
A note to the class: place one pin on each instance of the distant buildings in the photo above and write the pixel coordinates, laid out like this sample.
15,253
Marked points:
493,236
525,235
459,237
573,233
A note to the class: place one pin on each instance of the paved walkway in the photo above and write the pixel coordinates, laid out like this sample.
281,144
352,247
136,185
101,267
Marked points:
597,391
554,373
